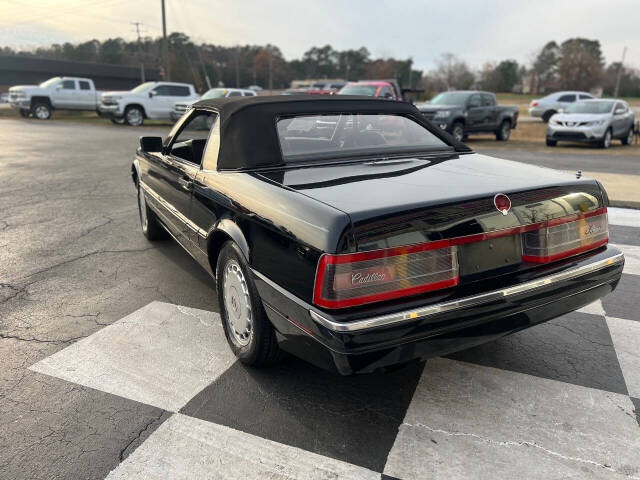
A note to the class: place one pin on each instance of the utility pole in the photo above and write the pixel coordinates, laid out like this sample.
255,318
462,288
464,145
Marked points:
138,25
237,68
165,45
270,69
206,75
615,93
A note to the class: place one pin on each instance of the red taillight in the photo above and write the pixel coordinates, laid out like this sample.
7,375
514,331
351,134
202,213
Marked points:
561,239
534,103
358,278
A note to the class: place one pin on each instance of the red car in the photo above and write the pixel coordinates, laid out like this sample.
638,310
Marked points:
371,88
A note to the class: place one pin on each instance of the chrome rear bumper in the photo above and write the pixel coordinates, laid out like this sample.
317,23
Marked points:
475,300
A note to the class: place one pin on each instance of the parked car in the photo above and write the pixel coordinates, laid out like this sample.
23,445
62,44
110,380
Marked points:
4,97
255,88
295,91
325,88
355,234
57,93
593,121
467,112
179,108
387,88
548,106
152,100
372,88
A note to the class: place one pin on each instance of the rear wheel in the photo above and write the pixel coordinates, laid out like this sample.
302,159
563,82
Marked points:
504,132
551,143
134,116
248,330
628,138
151,227
606,140
457,130
41,111
547,115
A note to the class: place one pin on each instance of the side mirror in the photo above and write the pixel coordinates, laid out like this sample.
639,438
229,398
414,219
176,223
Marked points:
388,96
151,94
59,86
619,111
151,144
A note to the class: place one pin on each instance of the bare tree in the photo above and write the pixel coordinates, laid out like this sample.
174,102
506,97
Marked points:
453,72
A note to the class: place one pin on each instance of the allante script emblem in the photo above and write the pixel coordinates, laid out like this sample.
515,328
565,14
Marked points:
359,279
591,229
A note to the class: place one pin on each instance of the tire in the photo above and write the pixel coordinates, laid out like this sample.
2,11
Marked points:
24,113
41,110
134,116
117,121
551,143
605,142
457,131
504,132
249,332
151,227
628,138
547,115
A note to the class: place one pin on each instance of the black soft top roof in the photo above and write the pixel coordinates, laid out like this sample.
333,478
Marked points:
248,136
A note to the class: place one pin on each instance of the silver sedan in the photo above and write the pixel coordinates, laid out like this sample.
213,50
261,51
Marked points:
592,121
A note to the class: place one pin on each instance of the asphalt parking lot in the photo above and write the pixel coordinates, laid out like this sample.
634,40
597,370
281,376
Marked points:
114,364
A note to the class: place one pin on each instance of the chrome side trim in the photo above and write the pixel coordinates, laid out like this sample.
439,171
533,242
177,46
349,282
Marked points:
429,310
171,209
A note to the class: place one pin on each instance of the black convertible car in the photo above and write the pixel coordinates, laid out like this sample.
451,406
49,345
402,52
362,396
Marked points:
355,234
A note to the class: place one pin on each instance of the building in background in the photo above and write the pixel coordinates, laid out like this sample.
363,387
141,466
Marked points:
25,70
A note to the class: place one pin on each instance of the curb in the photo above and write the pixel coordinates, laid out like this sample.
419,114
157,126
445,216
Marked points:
624,204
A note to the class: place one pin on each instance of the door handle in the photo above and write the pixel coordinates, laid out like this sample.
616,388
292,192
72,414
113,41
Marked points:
185,183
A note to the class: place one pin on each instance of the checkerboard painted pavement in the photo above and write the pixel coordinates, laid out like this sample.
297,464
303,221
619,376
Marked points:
560,400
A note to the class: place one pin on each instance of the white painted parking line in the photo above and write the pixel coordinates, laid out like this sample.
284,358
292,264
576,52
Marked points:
161,355
187,448
463,414
626,340
626,217
594,308
631,258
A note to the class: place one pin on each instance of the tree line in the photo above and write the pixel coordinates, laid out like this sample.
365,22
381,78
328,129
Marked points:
576,63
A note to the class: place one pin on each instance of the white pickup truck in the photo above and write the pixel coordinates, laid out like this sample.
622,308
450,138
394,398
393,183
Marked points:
57,93
152,100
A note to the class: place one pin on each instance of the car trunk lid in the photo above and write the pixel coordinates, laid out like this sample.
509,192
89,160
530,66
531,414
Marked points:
398,202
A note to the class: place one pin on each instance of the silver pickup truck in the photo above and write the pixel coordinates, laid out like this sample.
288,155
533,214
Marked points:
57,93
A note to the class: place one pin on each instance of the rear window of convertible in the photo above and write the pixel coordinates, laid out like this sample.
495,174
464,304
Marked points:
336,135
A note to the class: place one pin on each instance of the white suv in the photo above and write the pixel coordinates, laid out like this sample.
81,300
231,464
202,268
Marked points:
179,108
152,100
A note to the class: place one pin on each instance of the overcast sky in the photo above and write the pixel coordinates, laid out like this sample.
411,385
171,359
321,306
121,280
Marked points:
476,31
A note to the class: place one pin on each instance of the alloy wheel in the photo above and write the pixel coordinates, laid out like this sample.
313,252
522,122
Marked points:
142,204
237,304
506,130
458,133
606,141
134,117
42,112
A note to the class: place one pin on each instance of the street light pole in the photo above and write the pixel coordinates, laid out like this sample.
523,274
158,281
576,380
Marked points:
615,93
165,45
